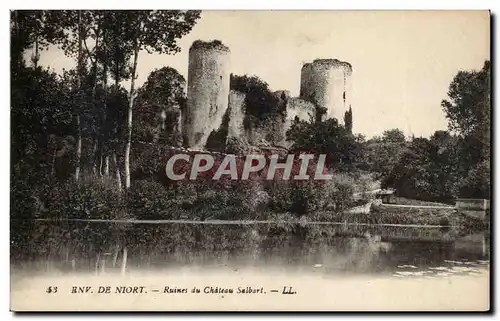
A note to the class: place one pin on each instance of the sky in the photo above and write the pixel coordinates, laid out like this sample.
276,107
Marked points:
403,61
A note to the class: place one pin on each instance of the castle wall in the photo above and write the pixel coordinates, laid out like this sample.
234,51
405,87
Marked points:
297,107
268,132
236,114
326,82
208,91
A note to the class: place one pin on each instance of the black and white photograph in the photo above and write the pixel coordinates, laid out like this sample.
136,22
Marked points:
250,160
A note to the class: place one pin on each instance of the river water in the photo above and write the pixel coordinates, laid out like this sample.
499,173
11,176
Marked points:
405,267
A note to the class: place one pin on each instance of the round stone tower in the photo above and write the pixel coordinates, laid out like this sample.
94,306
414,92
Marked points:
207,93
327,83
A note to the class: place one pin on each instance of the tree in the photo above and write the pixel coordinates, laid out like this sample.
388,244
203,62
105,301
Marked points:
70,26
156,126
469,116
117,38
324,137
153,31
477,182
348,119
443,165
395,136
31,29
427,169
40,103
381,154
115,125
410,174
158,107
468,110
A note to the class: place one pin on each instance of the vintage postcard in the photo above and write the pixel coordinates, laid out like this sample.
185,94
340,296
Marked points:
166,160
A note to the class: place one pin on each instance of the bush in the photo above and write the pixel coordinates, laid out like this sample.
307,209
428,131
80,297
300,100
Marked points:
24,201
303,197
88,199
307,197
151,200
340,191
224,199
237,146
477,183
195,200
216,197
444,221
280,196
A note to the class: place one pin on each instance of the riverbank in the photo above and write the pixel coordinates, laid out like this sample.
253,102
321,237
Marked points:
379,215
240,201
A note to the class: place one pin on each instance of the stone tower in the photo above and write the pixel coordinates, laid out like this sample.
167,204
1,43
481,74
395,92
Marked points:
327,83
207,93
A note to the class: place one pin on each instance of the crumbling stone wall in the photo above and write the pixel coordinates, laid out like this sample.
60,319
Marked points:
236,112
298,107
267,132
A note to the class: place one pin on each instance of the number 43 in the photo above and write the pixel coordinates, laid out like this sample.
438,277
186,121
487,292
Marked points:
52,289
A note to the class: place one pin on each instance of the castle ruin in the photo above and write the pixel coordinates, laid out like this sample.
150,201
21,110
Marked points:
324,83
327,83
208,91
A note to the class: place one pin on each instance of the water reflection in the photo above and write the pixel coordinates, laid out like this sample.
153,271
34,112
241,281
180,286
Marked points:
449,268
330,249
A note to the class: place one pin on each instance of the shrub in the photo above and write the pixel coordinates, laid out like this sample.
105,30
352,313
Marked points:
218,197
302,197
280,196
444,221
340,191
24,201
477,183
151,200
251,196
307,197
237,146
88,199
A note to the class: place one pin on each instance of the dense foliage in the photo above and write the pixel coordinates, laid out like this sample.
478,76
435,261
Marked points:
325,137
456,163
